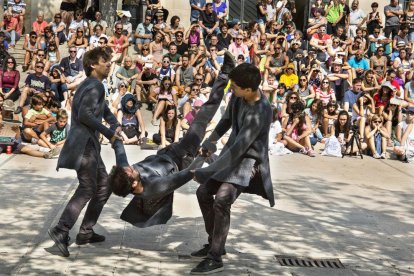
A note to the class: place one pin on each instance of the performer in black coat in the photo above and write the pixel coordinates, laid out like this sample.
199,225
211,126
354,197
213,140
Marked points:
154,179
81,152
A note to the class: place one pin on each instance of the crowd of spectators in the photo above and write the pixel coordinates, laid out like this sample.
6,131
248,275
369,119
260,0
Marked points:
347,73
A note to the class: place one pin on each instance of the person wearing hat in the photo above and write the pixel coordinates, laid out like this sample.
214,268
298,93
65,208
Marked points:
289,78
405,137
131,120
338,76
294,47
359,64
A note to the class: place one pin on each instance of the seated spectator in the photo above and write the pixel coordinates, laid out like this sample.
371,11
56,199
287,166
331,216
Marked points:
131,120
80,42
261,50
182,47
320,42
239,48
402,36
48,38
305,90
409,92
187,103
330,114
9,80
36,120
189,118
18,10
40,24
378,62
270,88
11,28
213,63
358,64
289,78
377,136
339,75
126,28
224,38
72,68
53,54
145,60
193,35
403,62
147,82
298,128
143,33
164,95
58,85
197,6
362,110
174,27
325,93
166,70
58,27
314,112
291,98
54,136
370,84
129,73
276,62
152,7
39,57
174,56
317,21
350,97
170,127
35,84
78,22
405,136
156,49
3,43
198,58
185,73
98,21
355,47
97,34
377,40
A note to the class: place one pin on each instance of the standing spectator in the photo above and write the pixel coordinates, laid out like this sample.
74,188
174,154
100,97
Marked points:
197,6
18,9
143,33
334,12
11,28
344,21
220,7
409,21
59,28
9,80
392,12
98,21
357,18
374,19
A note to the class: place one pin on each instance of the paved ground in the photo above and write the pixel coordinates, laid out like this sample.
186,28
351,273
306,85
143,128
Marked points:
360,211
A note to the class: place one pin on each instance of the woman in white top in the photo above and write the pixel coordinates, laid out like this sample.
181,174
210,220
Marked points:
405,136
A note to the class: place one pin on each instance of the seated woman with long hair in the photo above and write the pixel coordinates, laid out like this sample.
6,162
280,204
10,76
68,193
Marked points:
170,127
377,135
130,118
164,96
361,111
298,127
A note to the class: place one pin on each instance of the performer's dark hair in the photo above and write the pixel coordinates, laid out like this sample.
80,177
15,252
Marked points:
246,75
120,182
92,58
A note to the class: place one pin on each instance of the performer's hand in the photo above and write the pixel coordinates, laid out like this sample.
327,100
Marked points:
118,130
116,136
204,152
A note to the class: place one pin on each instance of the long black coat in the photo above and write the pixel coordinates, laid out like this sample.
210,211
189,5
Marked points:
88,110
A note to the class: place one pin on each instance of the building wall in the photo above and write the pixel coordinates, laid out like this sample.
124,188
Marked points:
181,8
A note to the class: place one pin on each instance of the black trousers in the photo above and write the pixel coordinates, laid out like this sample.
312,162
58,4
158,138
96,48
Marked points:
93,188
393,30
184,151
216,212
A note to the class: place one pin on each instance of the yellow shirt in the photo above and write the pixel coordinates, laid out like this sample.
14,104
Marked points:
289,80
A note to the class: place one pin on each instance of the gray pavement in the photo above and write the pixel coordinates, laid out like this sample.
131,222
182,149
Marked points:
360,211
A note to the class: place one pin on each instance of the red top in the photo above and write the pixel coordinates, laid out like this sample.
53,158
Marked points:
13,22
10,79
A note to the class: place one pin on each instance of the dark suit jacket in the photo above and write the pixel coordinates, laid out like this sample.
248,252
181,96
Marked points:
248,139
88,110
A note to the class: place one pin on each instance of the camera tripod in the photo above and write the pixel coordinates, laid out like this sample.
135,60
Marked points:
354,139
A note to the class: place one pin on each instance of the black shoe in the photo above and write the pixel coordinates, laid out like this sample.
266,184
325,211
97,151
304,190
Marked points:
228,64
150,107
207,266
61,240
18,110
89,238
202,253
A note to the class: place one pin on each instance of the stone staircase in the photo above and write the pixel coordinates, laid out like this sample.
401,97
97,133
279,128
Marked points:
18,53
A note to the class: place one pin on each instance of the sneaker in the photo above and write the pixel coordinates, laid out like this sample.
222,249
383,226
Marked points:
61,240
376,156
89,238
202,253
52,153
34,141
207,266
228,64
303,151
383,155
18,110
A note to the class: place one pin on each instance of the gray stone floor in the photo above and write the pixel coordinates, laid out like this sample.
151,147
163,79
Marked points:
360,211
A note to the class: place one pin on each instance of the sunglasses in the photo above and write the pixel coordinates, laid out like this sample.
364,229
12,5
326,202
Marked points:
195,89
303,80
100,43
40,55
278,48
80,31
145,49
167,83
40,66
179,36
10,62
325,82
72,51
380,51
33,36
119,29
378,122
293,98
122,86
58,17
239,38
199,79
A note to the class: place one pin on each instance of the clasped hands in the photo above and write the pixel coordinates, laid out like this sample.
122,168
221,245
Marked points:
117,135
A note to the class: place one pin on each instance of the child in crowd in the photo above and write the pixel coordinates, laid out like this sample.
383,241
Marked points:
36,120
330,114
55,136
53,54
314,112
377,135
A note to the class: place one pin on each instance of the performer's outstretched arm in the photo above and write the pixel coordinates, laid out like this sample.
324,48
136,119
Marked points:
120,154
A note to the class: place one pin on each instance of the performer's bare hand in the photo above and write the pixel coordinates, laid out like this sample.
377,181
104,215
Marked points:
117,136
204,152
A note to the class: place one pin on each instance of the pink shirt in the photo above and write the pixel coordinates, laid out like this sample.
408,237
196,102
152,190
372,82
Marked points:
325,96
13,22
39,28
238,50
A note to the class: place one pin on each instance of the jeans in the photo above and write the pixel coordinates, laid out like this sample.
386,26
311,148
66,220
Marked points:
59,89
93,188
13,36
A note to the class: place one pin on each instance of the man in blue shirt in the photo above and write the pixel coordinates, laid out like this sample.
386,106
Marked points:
197,6
358,64
351,96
